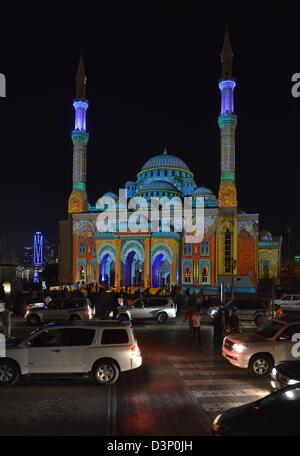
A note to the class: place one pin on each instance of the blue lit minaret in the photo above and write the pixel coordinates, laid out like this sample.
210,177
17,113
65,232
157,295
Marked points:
78,201
227,122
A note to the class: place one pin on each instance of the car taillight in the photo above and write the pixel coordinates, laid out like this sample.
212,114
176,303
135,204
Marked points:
132,348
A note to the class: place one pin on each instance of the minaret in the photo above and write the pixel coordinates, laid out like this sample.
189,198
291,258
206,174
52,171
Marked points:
78,201
227,122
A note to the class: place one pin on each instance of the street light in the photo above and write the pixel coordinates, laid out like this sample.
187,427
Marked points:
233,268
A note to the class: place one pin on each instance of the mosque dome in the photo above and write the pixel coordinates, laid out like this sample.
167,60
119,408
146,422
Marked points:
266,236
165,160
158,185
203,191
111,195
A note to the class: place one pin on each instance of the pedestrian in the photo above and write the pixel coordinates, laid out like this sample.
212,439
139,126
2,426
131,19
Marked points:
189,315
179,302
234,321
196,321
218,323
5,314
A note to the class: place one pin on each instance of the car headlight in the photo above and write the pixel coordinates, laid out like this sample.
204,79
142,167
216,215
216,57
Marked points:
274,372
239,348
216,420
293,382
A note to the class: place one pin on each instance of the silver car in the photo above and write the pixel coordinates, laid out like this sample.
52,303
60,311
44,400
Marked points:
246,310
60,309
272,343
159,308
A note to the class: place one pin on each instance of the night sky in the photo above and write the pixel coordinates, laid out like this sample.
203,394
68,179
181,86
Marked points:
152,81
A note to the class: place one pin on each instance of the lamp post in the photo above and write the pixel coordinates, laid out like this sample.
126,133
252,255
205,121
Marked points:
233,268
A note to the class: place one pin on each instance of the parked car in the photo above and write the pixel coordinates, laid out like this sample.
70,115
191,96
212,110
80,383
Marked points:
268,346
285,374
247,309
289,302
60,309
276,414
159,308
101,349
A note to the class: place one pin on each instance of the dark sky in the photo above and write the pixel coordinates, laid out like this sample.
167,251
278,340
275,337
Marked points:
152,81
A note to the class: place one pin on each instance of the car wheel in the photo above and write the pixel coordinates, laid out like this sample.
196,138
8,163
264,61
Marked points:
162,317
261,365
123,317
9,372
34,320
74,318
105,372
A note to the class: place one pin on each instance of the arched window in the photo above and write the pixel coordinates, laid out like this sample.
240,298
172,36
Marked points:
204,275
187,275
82,248
187,250
204,251
227,251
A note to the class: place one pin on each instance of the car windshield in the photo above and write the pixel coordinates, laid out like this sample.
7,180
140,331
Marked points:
27,336
269,328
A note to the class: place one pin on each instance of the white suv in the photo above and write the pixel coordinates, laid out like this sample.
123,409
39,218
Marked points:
271,344
101,349
289,302
160,308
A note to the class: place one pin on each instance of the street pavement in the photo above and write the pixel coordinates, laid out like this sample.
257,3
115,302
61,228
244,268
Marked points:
181,386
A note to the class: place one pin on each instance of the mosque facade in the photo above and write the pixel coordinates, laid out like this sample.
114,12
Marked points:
233,250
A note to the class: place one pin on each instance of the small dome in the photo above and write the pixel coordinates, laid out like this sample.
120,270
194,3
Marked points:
203,191
158,185
266,236
165,161
129,184
111,195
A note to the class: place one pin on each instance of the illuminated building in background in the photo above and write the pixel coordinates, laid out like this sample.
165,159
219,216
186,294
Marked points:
38,249
233,252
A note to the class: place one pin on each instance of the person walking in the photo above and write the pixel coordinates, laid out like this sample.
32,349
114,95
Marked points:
5,315
179,302
234,321
219,324
189,315
196,321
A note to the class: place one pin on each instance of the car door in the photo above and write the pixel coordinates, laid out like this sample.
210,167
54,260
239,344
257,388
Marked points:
44,352
285,301
52,312
74,345
284,343
295,302
137,309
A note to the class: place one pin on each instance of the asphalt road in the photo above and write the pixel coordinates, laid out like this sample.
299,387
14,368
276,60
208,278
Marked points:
178,390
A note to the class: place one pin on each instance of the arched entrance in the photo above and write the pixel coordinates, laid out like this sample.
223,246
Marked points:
106,260
132,256
162,259
107,270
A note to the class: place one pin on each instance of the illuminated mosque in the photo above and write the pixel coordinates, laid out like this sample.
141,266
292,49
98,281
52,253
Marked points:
233,250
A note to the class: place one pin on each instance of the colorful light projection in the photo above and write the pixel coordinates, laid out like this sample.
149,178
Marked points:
38,249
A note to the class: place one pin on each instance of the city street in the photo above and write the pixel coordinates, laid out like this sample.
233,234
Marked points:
179,389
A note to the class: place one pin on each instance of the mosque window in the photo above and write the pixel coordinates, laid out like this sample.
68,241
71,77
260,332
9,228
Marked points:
227,251
166,172
204,250
187,249
187,275
204,274
151,174
82,248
